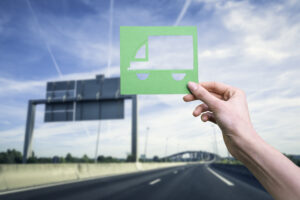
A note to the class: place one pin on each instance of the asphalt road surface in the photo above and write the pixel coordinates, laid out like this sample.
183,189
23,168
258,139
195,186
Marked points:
182,183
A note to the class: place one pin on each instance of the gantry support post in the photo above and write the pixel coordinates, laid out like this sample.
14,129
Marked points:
134,129
29,130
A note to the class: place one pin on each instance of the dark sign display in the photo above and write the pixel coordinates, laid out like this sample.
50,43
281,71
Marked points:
93,99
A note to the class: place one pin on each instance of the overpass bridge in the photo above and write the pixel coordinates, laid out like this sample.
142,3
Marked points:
191,156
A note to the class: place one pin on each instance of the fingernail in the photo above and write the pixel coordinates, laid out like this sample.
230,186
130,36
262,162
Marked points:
192,86
204,118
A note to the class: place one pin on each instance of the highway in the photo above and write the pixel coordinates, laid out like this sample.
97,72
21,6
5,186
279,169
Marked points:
198,181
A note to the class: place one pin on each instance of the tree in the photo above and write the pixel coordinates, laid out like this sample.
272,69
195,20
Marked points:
69,158
85,158
130,158
11,156
32,158
156,159
101,158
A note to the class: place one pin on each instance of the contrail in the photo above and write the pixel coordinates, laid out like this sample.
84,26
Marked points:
46,43
182,12
54,61
86,130
110,36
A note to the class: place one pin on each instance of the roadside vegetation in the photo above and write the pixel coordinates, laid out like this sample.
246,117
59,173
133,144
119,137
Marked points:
294,158
12,156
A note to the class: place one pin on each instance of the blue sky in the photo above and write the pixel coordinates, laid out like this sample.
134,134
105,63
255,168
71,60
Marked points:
253,45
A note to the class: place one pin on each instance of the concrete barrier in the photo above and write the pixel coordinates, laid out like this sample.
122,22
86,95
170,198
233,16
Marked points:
94,170
149,166
18,176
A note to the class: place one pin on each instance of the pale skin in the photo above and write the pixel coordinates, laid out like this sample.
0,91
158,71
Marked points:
227,107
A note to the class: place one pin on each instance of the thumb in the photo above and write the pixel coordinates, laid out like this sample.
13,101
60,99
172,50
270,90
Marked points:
202,94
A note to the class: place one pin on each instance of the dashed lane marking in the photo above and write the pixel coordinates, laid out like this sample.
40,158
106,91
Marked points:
154,181
229,183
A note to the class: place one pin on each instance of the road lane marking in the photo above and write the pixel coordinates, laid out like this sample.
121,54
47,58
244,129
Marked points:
229,183
155,181
175,172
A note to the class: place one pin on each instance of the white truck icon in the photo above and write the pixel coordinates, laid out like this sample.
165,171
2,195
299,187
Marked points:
168,52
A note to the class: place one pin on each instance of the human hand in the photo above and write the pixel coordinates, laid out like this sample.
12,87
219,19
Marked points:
227,107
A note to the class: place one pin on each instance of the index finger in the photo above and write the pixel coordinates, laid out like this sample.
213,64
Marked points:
216,87
191,97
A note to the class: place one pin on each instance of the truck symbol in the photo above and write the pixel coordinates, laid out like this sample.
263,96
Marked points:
167,52
158,59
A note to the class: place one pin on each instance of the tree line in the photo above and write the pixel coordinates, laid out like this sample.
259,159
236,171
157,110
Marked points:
12,156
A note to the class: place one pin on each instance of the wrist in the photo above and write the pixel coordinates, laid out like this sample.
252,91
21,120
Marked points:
246,144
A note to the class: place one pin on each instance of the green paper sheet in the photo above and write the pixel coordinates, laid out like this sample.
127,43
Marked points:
158,59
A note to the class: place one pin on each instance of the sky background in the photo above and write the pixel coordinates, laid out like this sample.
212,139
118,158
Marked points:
252,45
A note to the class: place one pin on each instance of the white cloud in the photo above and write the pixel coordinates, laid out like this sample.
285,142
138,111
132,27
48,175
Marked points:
217,53
242,44
259,55
264,33
20,87
10,86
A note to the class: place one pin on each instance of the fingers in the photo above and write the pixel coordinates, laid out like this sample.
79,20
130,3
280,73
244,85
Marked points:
200,109
189,97
218,88
208,116
202,94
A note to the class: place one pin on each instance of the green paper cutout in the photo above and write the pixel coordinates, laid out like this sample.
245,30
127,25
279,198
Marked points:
150,81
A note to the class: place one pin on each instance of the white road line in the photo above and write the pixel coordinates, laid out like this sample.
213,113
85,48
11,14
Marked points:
220,177
175,172
155,181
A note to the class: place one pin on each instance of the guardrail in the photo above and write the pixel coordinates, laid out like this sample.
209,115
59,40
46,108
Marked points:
16,176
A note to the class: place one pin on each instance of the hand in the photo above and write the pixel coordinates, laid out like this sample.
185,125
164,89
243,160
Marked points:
227,107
